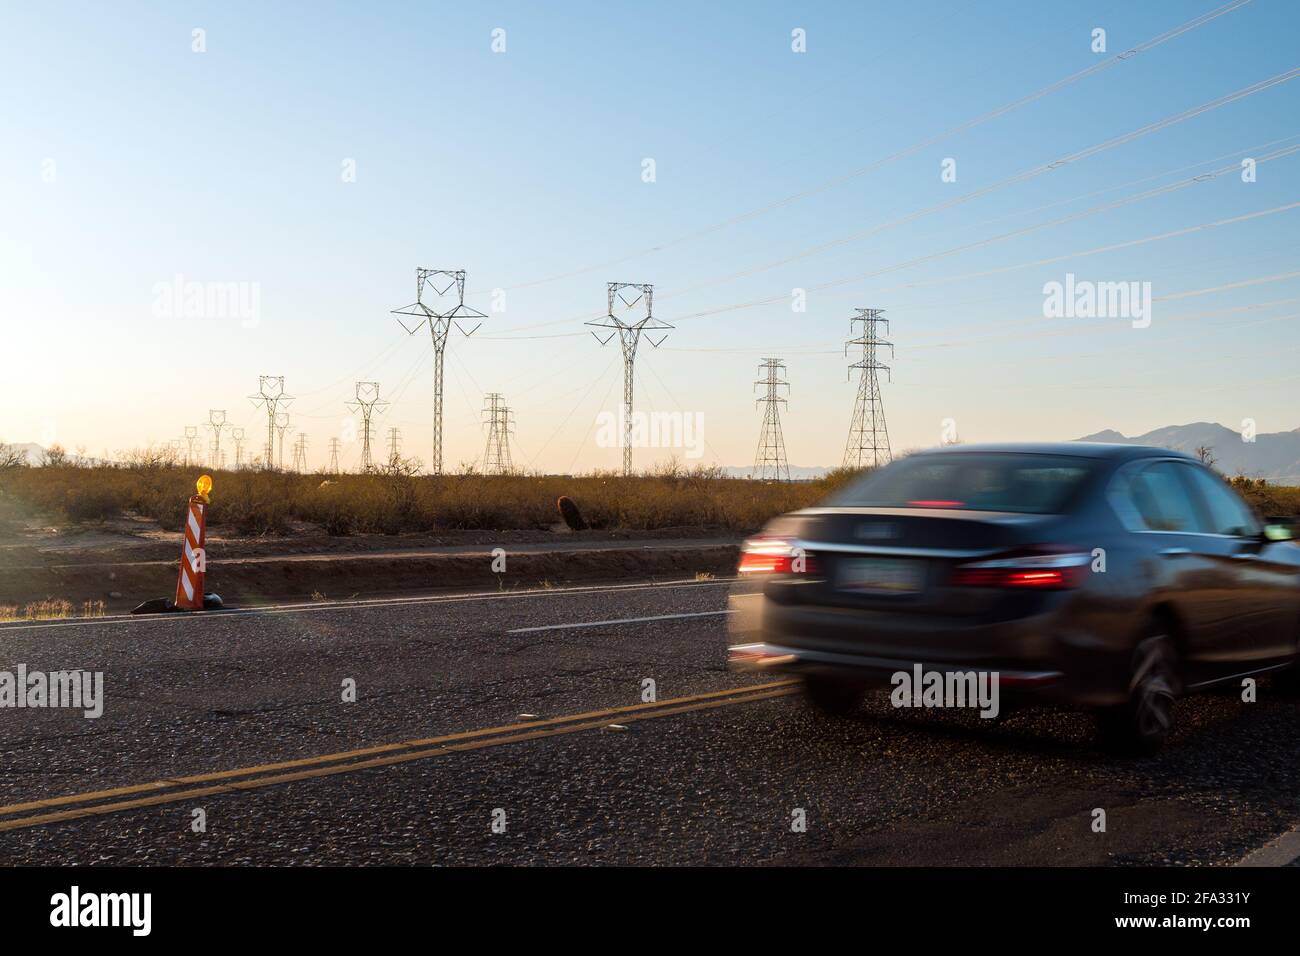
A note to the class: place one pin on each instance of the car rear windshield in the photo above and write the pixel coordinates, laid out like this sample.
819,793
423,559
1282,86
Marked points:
975,481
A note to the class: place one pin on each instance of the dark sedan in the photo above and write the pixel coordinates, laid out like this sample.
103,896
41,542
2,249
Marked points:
1110,577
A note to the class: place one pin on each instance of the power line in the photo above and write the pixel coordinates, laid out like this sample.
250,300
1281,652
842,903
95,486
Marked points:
983,118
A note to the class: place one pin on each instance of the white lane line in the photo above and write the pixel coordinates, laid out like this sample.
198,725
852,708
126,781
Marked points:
1285,849
362,604
621,620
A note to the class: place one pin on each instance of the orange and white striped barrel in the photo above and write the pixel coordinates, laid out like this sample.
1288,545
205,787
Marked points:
189,588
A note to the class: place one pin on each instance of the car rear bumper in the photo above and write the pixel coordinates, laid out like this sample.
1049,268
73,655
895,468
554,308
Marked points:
1042,656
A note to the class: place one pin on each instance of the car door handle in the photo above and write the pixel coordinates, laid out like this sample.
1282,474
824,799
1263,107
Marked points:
1174,552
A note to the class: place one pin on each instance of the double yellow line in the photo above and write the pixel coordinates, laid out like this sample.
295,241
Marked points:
176,789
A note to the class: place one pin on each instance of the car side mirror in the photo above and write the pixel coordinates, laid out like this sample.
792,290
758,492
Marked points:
1277,532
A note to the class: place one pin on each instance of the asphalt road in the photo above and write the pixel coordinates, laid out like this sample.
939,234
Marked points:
192,703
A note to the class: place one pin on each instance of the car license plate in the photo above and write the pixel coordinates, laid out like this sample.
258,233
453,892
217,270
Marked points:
881,576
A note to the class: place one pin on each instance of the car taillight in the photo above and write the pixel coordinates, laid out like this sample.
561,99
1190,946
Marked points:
773,555
1043,569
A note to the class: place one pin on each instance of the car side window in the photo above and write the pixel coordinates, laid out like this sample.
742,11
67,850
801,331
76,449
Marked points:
1226,512
1162,499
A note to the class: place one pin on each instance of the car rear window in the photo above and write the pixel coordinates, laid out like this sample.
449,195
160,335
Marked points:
975,481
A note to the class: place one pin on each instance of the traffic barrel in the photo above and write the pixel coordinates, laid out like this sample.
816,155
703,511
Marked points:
194,562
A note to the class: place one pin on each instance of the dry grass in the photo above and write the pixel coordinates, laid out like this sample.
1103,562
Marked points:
252,503
50,609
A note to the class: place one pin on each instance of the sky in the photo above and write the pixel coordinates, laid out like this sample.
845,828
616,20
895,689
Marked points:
727,153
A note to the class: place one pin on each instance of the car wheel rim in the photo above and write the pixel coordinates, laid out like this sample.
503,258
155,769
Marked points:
1155,706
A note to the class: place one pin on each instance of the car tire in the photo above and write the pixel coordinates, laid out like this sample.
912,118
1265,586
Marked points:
831,696
1141,725
1288,681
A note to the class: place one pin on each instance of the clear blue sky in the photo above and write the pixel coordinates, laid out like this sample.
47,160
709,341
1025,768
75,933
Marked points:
526,165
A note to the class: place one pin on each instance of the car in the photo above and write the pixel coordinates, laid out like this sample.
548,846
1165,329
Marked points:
1113,578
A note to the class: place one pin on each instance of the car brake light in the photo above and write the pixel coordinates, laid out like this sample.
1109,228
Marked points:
1043,569
935,503
773,555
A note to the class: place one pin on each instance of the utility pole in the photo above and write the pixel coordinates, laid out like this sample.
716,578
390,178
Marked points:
366,402
868,444
216,422
770,462
300,453
496,457
281,427
629,334
238,435
191,440
435,285
271,396
334,456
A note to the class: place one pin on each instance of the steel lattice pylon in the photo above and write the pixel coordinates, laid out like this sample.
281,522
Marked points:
282,428
271,396
216,422
366,402
629,334
770,462
300,453
499,424
868,444
439,324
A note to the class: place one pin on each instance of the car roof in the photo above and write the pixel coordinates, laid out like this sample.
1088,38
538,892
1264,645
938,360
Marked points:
1076,449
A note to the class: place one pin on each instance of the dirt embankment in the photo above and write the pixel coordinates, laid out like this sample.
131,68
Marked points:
123,570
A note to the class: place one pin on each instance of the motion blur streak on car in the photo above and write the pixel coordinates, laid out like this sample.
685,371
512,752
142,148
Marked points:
1109,577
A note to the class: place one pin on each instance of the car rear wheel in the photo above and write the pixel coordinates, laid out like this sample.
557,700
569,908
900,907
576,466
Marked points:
1288,681
1140,725
832,696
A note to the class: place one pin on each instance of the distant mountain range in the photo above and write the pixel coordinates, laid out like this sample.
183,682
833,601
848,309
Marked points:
1272,455
34,452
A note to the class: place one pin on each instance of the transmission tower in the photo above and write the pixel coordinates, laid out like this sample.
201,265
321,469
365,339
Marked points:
868,444
770,462
282,426
394,446
191,441
300,453
271,396
238,435
440,282
629,334
334,456
497,418
366,402
216,422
